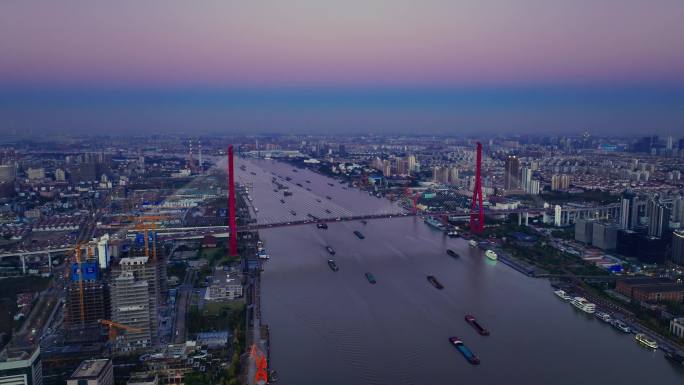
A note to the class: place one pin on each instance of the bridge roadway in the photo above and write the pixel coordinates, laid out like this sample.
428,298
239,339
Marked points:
196,232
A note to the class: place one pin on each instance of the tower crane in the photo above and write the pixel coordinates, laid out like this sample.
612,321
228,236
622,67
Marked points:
114,326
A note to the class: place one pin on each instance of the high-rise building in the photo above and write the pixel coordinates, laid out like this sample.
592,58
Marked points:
453,175
386,168
584,230
535,187
93,372
604,235
411,164
526,179
511,173
628,210
658,217
678,247
560,182
21,367
131,307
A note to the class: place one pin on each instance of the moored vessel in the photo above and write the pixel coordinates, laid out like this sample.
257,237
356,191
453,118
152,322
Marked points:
621,326
491,255
562,295
434,223
605,317
323,226
584,305
644,340
472,243
675,356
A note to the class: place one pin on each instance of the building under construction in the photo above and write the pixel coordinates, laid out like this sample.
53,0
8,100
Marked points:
87,299
133,307
137,290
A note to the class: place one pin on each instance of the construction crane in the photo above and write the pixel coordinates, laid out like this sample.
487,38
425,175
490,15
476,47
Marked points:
146,224
77,254
114,326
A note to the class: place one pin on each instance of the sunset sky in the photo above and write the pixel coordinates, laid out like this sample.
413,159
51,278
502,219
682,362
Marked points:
379,65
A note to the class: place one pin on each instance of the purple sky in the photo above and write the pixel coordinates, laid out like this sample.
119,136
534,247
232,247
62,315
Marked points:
428,66
341,43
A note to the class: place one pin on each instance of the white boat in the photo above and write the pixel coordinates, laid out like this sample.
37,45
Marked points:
562,295
644,340
472,243
491,255
605,317
584,305
621,326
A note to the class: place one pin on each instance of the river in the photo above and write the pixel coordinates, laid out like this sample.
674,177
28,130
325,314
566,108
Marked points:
336,328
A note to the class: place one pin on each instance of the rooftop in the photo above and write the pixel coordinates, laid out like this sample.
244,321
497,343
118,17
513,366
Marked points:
90,368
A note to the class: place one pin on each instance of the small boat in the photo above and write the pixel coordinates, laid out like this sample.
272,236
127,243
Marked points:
328,197
328,211
282,201
452,233
621,326
675,356
491,255
323,226
435,282
333,265
273,376
562,295
358,234
605,317
293,212
452,253
460,346
371,278
473,322
472,243
318,200
646,341
330,250
364,222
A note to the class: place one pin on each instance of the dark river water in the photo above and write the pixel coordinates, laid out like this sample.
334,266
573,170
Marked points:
336,328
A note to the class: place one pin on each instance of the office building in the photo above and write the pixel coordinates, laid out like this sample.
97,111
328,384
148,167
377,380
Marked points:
628,211
604,235
21,367
512,173
658,217
93,372
584,230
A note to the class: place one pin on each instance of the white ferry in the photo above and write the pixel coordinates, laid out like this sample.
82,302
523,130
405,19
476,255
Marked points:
491,255
584,305
644,340
472,243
